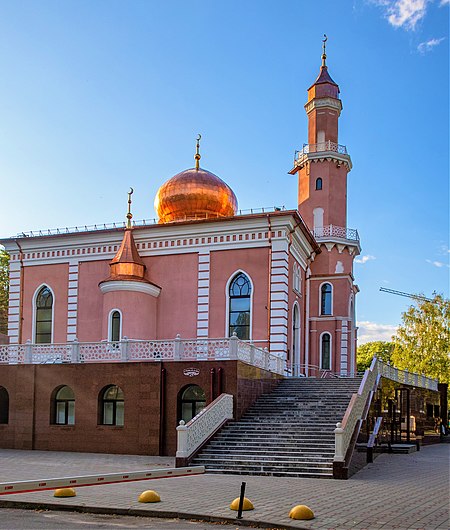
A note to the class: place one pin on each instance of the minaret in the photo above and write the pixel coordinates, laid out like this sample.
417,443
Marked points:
322,166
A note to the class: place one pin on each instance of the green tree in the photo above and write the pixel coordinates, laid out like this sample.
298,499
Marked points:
422,342
4,290
366,352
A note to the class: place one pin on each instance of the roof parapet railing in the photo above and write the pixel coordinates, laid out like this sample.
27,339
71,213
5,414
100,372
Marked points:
141,222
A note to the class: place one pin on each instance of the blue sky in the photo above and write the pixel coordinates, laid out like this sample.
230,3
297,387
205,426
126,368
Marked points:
96,96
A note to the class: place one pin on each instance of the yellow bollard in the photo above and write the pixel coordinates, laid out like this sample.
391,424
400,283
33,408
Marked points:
301,512
149,496
247,505
65,492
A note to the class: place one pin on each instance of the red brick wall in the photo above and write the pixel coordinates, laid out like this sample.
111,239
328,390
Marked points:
31,387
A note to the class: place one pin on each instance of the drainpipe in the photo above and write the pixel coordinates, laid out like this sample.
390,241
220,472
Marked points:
19,338
270,285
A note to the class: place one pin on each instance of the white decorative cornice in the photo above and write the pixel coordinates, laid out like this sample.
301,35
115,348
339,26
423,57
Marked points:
320,103
323,156
128,285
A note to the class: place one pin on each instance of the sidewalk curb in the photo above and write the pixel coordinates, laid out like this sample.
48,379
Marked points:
136,512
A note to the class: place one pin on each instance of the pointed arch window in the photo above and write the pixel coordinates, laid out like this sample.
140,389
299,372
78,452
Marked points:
325,299
319,184
192,400
325,352
64,406
239,294
112,405
44,316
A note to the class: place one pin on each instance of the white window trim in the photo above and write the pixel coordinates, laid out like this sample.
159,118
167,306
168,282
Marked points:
110,324
331,350
227,301
320,299
294,360
33,324
297,278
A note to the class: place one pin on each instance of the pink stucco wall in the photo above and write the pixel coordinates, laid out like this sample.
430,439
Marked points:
90,300
177,275
255,263
56,277
138,314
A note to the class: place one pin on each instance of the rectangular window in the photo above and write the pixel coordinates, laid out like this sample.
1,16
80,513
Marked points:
71,413
61,413
120,413
108,413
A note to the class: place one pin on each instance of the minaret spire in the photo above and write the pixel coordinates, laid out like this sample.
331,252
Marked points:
197,153
129,214
324,54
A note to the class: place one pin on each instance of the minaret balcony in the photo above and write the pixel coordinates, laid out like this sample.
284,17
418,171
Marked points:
322,151
341,232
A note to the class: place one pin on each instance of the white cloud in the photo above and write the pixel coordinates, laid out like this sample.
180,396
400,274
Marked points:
438,264
370,331
364,259
428,45
403,13
444,3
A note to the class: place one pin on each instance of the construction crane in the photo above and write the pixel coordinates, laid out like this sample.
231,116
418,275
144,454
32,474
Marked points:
407,295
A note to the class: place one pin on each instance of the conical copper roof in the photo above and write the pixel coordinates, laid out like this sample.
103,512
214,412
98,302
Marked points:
127,264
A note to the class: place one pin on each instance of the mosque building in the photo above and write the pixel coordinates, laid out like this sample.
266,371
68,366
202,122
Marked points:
85,303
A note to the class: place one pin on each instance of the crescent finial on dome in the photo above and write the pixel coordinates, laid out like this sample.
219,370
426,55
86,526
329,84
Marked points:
197,152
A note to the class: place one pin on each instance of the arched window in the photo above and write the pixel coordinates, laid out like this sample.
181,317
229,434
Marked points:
319,183
239,294
44,316
192,401
112,406
4,405
325,352
115,326
325,299
64,406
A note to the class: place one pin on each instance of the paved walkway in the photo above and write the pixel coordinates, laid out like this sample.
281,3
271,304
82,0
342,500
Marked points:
395,492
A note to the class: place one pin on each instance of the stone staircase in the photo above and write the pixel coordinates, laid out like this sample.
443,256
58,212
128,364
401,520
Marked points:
288,432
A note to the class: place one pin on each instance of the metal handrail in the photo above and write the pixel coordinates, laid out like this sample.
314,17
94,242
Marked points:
142,222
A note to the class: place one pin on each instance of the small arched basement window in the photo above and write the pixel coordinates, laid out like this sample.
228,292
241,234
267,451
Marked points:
64,406
192,401
325,352
4,405
112,404
44,316
239,294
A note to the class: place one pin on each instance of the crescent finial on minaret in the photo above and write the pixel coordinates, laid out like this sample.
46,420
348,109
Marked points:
129,214
324,46
197,152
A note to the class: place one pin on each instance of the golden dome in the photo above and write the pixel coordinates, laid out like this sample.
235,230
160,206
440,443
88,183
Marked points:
194,194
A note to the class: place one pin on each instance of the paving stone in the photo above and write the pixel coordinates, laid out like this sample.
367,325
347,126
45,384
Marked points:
396,491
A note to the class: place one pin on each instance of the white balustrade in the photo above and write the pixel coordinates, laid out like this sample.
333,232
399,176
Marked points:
128,350
192,435
340,232
354,413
